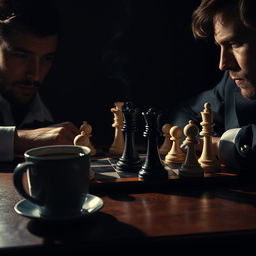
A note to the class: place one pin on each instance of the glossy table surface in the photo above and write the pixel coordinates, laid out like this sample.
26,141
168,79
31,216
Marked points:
151,217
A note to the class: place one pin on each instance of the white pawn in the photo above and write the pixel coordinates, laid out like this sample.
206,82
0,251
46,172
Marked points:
175,155
117,146
167,144
83,139
191,166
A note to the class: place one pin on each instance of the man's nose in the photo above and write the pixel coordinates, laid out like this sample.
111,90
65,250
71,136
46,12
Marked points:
33,71
223,64
227,60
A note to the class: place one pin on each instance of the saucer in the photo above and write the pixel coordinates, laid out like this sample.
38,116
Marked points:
28,209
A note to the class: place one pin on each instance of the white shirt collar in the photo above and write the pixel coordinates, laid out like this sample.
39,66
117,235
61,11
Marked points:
37,112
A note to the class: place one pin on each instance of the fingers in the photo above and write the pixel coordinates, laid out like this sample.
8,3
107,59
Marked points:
69,127
67,132
72,128
59,134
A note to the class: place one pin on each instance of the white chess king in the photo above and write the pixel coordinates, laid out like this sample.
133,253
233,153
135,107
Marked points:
207,159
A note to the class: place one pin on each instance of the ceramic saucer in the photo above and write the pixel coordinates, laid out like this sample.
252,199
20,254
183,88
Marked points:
26,208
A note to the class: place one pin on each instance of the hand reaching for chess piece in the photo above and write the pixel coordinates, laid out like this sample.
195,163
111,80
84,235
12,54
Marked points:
58,134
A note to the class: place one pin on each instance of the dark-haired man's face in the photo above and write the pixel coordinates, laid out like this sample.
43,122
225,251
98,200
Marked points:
25,60
237,51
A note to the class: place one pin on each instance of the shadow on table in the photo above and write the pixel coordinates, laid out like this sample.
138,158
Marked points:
98,229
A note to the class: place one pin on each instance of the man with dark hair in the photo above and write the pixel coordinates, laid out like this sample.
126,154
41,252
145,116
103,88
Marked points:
29,38
232,23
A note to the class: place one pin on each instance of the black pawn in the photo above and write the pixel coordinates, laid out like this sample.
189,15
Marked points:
129,161
152,167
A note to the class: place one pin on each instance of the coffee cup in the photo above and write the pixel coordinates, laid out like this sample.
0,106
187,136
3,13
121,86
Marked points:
58,179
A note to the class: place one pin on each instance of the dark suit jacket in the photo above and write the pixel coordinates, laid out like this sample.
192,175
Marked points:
230,110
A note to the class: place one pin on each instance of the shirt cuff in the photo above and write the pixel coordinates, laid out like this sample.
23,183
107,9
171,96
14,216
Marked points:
227,148
7,143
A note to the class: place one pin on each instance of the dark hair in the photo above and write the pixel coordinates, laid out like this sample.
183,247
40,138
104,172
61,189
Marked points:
202,18
39,17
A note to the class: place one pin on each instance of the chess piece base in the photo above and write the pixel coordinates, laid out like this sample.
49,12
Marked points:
191,171
128,165
209,165
153,175
173,165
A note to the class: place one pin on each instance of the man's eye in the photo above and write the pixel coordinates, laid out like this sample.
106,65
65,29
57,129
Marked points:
49,58
234,44
19,55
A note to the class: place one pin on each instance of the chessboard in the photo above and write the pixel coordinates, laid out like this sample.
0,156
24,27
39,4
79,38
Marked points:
106,176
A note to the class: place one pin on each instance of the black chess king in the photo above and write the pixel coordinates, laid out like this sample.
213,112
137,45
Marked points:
129,161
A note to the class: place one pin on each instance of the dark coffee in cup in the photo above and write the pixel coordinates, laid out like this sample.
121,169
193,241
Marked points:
58,178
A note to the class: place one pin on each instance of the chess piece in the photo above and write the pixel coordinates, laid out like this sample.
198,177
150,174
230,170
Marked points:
86,130
167,144
207,160
82,139
191,166
129,161
175,156
117,146
152,167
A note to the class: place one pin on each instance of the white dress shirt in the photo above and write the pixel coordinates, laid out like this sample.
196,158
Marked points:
227,147
37,112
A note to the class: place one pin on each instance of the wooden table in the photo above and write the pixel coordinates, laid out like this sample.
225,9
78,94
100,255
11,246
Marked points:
160,218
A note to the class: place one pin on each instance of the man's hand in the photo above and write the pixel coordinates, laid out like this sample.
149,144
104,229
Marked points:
59,134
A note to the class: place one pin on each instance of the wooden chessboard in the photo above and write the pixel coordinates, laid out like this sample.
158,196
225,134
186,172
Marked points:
106,176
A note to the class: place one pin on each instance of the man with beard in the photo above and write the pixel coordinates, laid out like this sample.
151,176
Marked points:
232,24
29,38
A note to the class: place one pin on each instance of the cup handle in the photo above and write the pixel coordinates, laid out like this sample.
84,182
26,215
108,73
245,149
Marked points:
18,181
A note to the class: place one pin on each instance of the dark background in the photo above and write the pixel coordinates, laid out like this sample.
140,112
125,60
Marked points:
118,50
